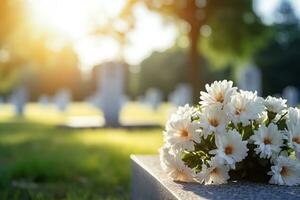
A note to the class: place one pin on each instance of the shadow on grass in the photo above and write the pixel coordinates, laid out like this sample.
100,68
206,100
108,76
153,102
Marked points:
43,162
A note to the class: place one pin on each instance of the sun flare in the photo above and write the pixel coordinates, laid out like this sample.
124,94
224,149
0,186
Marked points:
70,18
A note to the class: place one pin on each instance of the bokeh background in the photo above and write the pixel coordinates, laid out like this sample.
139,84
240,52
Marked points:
86,83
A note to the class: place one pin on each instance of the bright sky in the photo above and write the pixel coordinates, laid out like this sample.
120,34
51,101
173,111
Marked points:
71,20
265,7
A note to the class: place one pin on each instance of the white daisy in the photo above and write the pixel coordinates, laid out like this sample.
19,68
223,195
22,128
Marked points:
230,148
212,120
275,105
293,117
285,172
216,173
293,135
186,111
181,133
245,106
173,165
268,140
218,93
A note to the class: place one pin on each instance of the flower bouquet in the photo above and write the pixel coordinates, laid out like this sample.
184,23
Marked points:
233,134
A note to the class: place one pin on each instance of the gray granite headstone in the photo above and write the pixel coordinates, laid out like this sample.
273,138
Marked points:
111,86
19,98
153,98
291,93
62,99
95,100
43,100
150,182
250,79
181,95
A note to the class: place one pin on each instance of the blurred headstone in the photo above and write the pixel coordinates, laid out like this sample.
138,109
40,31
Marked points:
43,100
250,79
62,99
95,100
19,98
124,100
291,93
298,154
111,85
181,95
153,98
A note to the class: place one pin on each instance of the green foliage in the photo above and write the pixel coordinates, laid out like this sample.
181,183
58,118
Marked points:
171,66
237,33
280,59
38,160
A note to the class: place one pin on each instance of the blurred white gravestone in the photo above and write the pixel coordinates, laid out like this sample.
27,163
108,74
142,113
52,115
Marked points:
181,95
291,93
19,98
153,98
95,100
111,85
62,99
43,100
250,79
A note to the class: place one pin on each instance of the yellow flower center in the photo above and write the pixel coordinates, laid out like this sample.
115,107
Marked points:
267,141
228,150
296,139
238,111
184,133
215,171
220,97
213,122
284,171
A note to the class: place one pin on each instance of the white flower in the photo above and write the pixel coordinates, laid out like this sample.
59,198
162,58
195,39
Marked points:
285,172
294,136
218,93
216,173
212,120
186,111
262,117
172,164
230,148
293,117
181,133
275,105
268,140
245,106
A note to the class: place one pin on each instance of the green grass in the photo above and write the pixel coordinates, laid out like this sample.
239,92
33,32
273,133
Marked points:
41,161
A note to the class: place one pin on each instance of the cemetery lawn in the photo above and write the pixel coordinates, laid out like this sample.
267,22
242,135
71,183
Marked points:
38,160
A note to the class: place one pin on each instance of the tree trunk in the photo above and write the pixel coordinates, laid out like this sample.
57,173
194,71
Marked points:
194,70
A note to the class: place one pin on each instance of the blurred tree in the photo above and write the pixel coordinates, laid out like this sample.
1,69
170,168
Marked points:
226,30
11,17
173,73
280,60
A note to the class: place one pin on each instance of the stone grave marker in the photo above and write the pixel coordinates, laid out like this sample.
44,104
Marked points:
181,95
150,182
153,98
62,99
19,98
250,79
43,100
291,93
111,86
95,100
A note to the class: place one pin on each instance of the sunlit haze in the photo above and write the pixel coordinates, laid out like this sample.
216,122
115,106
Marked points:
73,21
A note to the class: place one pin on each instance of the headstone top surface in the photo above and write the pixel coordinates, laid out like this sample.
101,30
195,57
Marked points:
232,190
